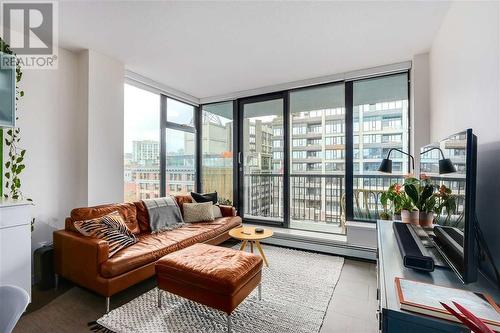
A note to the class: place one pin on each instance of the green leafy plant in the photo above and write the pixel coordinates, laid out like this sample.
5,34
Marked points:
14,166
420,193
224,201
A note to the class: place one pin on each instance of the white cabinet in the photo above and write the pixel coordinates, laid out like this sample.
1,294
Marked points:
15,244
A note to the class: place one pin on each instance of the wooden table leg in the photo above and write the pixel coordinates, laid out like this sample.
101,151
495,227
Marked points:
243,245
257,243
251,246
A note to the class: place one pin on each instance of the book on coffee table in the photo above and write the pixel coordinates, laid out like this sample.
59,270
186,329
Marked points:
424,298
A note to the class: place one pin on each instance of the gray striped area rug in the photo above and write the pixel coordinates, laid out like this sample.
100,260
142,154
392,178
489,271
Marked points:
296,291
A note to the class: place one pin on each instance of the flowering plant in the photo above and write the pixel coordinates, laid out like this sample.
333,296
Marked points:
444,200
419,194
396,195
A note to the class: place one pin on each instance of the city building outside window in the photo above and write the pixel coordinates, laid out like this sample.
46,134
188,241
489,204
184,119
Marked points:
141,144
381,105
142,158
217,150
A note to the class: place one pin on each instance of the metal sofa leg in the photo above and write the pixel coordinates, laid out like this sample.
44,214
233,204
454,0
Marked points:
260,291
107,304
229,324
159,297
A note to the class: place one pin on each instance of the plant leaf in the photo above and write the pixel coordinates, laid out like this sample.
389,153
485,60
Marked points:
412,192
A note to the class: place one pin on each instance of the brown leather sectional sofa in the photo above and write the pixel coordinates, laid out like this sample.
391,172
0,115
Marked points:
85,260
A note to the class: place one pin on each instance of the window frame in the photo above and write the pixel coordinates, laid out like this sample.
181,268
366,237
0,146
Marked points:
288,141
164,125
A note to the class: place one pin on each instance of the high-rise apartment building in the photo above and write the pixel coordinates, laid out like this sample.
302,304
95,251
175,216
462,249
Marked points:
146,152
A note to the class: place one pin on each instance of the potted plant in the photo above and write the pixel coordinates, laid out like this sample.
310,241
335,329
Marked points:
384,200
444,200
409,214
421,193
396,196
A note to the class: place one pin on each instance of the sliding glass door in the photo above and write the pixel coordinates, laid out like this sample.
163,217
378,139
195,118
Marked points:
261,158
307,158
317,158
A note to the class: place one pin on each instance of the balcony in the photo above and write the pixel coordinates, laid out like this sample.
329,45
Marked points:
317,202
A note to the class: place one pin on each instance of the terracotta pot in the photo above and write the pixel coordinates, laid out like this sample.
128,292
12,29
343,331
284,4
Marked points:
426,219
410,217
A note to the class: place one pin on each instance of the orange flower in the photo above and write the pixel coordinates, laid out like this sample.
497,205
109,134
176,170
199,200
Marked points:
442,189
397,188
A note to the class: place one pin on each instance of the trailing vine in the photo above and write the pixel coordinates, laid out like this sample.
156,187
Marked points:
14,165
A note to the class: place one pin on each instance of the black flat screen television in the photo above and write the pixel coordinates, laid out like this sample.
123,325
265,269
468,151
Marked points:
455,231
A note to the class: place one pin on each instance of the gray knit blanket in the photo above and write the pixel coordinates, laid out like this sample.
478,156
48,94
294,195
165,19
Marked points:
164,214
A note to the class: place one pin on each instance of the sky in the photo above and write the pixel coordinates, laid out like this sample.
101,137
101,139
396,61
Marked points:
142,116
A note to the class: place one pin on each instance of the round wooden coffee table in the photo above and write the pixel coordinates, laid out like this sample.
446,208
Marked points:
248,235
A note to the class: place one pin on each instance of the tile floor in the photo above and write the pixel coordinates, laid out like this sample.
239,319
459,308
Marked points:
354,304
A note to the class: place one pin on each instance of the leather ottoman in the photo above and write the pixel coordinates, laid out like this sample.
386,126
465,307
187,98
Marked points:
215,276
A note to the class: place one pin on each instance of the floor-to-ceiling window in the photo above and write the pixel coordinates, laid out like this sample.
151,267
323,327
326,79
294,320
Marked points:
217,150
306,158
317,157
180,147
380,115
141,144
309,156
159,134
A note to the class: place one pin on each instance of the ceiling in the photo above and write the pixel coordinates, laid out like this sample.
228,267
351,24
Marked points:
210,48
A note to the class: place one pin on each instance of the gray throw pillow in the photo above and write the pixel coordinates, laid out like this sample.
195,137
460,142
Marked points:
215,207
198,212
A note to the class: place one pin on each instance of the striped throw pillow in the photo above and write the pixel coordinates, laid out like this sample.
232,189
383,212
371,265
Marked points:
111,228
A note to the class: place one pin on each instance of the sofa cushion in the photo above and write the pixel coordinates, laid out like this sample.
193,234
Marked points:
142,217
126,210
151,247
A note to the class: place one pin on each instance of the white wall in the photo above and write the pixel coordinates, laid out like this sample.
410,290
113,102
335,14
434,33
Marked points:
105,129
420,104
465,93
72,127
50,119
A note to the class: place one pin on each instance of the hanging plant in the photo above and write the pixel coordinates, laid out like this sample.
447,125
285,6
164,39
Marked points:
14,165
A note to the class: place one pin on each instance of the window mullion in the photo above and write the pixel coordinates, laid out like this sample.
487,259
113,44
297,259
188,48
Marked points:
349,156
163,146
